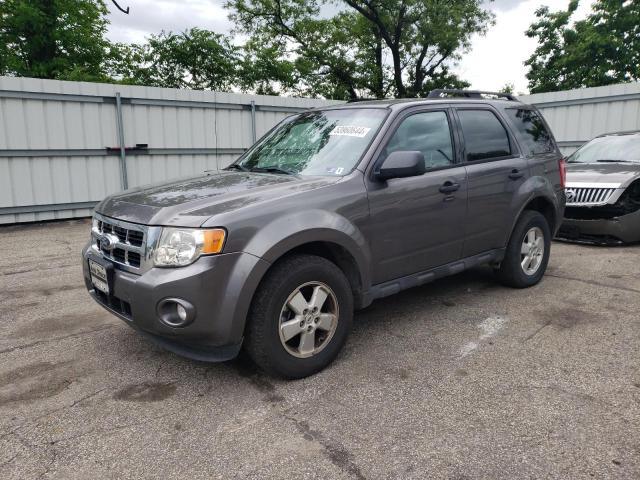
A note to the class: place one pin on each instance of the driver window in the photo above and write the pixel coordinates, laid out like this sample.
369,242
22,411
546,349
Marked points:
426,132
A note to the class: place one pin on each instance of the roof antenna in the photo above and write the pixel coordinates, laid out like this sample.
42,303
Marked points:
120,8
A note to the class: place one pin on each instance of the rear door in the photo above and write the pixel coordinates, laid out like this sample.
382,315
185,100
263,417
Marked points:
495,170
535,138
417,223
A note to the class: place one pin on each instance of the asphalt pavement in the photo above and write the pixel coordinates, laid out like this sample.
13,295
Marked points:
459,379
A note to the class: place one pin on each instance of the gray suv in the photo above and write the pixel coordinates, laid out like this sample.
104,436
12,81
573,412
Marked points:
330,210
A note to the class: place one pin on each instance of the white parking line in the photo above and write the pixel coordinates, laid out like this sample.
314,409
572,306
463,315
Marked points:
490,327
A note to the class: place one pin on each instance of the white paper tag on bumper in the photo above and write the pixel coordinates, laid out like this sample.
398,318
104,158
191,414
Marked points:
350,131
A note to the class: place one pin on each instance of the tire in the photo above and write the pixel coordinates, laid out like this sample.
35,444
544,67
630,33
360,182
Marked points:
511,272
277,312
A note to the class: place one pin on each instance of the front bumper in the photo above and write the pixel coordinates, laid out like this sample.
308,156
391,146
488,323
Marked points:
607,231
220,288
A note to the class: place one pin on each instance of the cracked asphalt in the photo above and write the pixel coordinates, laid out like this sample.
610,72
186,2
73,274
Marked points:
459,379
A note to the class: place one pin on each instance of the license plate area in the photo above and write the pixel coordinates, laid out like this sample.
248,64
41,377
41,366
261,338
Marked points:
100,276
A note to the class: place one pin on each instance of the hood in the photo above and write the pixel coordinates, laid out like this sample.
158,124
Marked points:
190,202
614,175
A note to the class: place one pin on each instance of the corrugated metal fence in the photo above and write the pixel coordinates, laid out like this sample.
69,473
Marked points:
66,145
576,116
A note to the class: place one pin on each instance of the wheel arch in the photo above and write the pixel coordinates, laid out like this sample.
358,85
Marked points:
338,255
544,206
333,251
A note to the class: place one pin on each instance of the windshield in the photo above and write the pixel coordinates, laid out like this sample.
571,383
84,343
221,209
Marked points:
328,142
614,148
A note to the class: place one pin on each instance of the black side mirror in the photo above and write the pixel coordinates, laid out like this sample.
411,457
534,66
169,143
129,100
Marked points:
402,164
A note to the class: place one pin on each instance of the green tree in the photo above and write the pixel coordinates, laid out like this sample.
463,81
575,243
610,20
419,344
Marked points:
602,49
61,39
507,88
196,59
264,70
368,48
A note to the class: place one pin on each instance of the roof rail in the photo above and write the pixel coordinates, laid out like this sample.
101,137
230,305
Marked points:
445,92
356,100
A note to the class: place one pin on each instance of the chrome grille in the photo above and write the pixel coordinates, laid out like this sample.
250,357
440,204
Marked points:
588,195
129,248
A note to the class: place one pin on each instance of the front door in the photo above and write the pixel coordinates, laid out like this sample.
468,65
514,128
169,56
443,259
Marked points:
417,223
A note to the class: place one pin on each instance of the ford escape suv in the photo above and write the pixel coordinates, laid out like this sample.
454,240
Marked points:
330,210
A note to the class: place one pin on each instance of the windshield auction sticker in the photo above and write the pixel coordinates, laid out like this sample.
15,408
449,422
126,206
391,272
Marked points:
350,131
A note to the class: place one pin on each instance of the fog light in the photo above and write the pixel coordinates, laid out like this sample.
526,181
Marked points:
182,313
176,312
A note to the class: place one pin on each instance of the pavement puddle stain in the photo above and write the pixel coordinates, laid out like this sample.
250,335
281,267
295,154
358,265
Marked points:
145,392
37,381
563,319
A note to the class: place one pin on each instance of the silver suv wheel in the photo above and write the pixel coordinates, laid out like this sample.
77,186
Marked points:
532,251
308,319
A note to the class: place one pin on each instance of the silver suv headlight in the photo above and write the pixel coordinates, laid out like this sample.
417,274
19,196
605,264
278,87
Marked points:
178,247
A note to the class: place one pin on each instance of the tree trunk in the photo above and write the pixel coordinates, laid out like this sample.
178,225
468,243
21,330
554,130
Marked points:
43,44
401,91
378,87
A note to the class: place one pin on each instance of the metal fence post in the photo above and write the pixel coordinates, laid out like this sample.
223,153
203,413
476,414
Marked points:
123,154
253,122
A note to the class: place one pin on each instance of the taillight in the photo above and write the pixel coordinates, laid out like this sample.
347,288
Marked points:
563,173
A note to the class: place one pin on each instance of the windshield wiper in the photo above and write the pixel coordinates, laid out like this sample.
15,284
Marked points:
237,166
272,169
614,161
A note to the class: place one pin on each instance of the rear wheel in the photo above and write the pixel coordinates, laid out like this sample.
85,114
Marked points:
527,253
300,317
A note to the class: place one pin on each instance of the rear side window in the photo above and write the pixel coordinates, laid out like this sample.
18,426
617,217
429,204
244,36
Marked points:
533,132
484,136
426,132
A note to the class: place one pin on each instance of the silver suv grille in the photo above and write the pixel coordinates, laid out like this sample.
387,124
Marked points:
122,242
588,196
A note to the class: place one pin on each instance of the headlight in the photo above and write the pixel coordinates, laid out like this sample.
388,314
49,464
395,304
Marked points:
178,247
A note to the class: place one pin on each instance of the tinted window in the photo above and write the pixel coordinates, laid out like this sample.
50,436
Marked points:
484,135
428,133
534,134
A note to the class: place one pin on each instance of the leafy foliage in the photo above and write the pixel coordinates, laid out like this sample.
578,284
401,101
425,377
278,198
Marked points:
61,39
507,88
602,49
197,59
368,48
331,48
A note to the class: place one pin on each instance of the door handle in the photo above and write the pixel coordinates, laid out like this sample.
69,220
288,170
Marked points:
449,187
516,174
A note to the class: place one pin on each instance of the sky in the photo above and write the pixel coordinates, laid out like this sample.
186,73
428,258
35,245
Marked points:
493,61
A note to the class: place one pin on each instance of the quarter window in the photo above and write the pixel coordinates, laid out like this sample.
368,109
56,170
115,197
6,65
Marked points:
426,132
484,136
532,130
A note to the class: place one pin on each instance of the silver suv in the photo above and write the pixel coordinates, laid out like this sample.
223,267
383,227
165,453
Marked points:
330,210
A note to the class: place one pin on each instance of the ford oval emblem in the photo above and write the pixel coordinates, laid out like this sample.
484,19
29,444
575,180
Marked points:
107,242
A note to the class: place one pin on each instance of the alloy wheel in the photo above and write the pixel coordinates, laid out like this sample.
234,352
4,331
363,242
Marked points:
308,319
532,251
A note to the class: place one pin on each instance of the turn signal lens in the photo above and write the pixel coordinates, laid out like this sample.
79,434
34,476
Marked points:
213,241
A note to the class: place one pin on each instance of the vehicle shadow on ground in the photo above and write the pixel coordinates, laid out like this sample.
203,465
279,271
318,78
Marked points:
369,324
401,309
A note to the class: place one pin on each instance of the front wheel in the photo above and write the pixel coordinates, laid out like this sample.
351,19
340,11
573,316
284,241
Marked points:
300,317
527,253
